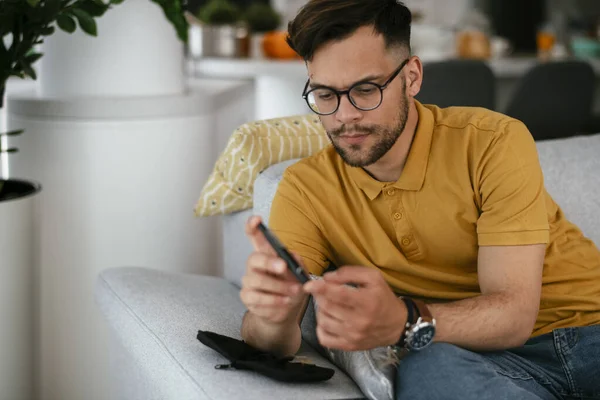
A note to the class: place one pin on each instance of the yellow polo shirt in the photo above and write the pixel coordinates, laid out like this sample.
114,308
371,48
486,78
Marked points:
472,178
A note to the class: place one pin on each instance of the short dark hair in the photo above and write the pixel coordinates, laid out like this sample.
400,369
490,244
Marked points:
322,21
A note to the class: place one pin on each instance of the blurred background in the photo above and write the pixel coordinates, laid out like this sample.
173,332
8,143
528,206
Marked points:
567,21
469,42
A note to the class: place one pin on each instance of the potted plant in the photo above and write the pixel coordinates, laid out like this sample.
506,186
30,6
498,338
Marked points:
217,31
261,19
24,24
219,12
29,21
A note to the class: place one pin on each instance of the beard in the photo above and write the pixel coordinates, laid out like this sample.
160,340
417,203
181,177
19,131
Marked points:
384,138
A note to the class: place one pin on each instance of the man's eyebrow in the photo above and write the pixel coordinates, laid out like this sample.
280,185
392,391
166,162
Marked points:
368,78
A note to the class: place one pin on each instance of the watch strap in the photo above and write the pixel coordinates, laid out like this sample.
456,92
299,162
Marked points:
411,318
411,310
423,311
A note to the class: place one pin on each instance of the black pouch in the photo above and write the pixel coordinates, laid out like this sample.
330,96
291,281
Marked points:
245,357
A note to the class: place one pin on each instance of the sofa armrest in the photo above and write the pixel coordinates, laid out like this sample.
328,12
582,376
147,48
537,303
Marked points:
156,315
265,187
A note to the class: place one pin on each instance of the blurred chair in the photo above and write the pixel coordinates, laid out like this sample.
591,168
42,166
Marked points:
458,83
554,99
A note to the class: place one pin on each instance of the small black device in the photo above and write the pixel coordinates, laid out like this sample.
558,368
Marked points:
283,253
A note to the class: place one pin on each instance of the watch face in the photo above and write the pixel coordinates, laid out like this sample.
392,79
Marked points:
422,336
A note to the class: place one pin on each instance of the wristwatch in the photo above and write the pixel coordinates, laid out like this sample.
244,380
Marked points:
420,334
419,330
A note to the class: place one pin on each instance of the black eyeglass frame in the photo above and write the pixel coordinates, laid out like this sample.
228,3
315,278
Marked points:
340,93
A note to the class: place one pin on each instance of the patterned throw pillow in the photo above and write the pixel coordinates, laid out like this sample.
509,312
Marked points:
252,148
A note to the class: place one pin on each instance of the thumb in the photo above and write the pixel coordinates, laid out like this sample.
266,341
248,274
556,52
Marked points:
357,275
258,240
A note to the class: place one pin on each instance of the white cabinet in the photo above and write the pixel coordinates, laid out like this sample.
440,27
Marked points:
120,180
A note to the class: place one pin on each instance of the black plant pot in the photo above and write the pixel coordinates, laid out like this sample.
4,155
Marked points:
13,189
18,289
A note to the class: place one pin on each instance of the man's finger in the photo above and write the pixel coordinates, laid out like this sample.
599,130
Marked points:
315,287
258,240
340,294
269,284
331,326
333,309
262,262
353,275
332,341
325,314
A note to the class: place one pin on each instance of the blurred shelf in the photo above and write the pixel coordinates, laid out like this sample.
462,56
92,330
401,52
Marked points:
202,97
247,68
509,67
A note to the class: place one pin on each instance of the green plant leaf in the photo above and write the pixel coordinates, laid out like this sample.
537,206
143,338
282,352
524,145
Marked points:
94,8
3,52
218,12
28,70
262,17
66,23
18,74
13,133
174,11
33,3
31,58
86,22
46,30
50,9
116,1
12,150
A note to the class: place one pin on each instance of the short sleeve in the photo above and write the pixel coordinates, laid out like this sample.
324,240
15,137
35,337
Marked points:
294,223
511,191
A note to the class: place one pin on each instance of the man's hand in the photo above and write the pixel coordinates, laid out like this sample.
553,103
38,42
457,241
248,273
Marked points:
356,318
269,290
273,296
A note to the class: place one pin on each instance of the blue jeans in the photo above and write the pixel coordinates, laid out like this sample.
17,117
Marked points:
564,364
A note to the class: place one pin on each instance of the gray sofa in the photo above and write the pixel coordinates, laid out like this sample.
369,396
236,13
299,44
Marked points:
155,315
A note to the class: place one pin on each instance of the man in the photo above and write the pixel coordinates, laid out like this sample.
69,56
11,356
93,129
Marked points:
434,213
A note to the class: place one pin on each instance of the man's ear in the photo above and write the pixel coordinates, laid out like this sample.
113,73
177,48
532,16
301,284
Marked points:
414,76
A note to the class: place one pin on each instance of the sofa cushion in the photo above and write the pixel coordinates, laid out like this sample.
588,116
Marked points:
571,167
265,188
157,315
236,246
252,148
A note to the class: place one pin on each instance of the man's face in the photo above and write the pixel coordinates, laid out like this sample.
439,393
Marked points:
361,138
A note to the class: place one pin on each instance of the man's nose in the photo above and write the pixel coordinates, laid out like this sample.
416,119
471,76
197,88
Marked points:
346,112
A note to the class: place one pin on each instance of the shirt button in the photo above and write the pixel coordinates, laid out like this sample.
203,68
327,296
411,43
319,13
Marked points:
391,192
405,241
398,216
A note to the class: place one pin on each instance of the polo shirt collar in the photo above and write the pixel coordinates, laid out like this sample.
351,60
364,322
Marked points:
413,175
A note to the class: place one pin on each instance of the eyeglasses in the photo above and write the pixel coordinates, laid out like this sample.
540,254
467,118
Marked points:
365,96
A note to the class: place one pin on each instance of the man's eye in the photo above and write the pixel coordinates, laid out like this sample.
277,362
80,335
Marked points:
364,90
325,96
